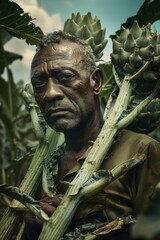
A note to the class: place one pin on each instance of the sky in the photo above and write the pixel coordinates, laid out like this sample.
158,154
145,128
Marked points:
50,15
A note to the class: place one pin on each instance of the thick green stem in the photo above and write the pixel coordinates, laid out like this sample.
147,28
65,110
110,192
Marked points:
139,73
29,185
103,178
133,114
32,178
70,203
56,227
9,223
101,146
68,206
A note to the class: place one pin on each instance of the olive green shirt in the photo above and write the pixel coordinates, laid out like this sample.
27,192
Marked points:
129,194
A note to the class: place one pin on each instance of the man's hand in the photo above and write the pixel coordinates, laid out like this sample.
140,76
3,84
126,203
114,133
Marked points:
49,204
33,225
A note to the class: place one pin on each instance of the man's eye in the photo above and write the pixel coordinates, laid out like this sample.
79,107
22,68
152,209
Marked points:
38,86
66,77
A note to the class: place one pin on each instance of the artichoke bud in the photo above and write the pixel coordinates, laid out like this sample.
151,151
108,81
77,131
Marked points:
154,39
98,35
89,16
88,29
147,52
77,18
90,41
135,60
157,59
98,48
149,76
96,24
86,21
116,46
128,68
136,31
123,35
148,30
148,119
115,59
70,27
124,56
119,72
83,32
130,43
142,41
99,55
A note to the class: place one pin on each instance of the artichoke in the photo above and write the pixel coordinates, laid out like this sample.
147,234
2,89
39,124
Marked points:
88,29
132,49
148,119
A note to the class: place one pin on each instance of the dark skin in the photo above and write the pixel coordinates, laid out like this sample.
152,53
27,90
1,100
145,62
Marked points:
67,94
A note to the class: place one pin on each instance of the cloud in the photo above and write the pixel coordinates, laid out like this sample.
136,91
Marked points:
48,23
68,3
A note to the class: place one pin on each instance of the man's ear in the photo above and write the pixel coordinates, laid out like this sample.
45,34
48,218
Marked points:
96,81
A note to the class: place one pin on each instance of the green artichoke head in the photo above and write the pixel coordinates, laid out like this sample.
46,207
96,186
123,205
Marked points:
133,48
88,29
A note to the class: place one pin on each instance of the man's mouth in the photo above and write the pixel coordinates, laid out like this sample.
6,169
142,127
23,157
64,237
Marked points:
56,112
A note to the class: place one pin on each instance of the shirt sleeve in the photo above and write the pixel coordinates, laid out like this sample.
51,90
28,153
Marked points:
146,177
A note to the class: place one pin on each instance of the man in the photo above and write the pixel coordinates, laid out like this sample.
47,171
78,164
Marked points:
66,85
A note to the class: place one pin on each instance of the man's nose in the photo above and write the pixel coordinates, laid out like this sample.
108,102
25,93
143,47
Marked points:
53,91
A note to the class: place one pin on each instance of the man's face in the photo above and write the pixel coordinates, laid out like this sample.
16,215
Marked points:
62,86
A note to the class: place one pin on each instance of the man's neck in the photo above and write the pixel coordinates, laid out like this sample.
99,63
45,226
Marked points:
77,143
82,138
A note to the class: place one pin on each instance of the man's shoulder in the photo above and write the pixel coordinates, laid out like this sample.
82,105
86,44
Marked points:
129,137
127,144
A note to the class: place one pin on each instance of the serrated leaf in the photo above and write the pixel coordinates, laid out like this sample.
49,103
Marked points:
17,23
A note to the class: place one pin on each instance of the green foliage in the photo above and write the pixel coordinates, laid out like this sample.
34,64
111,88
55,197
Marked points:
17,23
109,83
11,57
15,123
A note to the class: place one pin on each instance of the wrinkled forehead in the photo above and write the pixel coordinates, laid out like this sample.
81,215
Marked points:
63,50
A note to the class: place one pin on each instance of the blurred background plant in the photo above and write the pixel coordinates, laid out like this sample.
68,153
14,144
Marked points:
17,140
